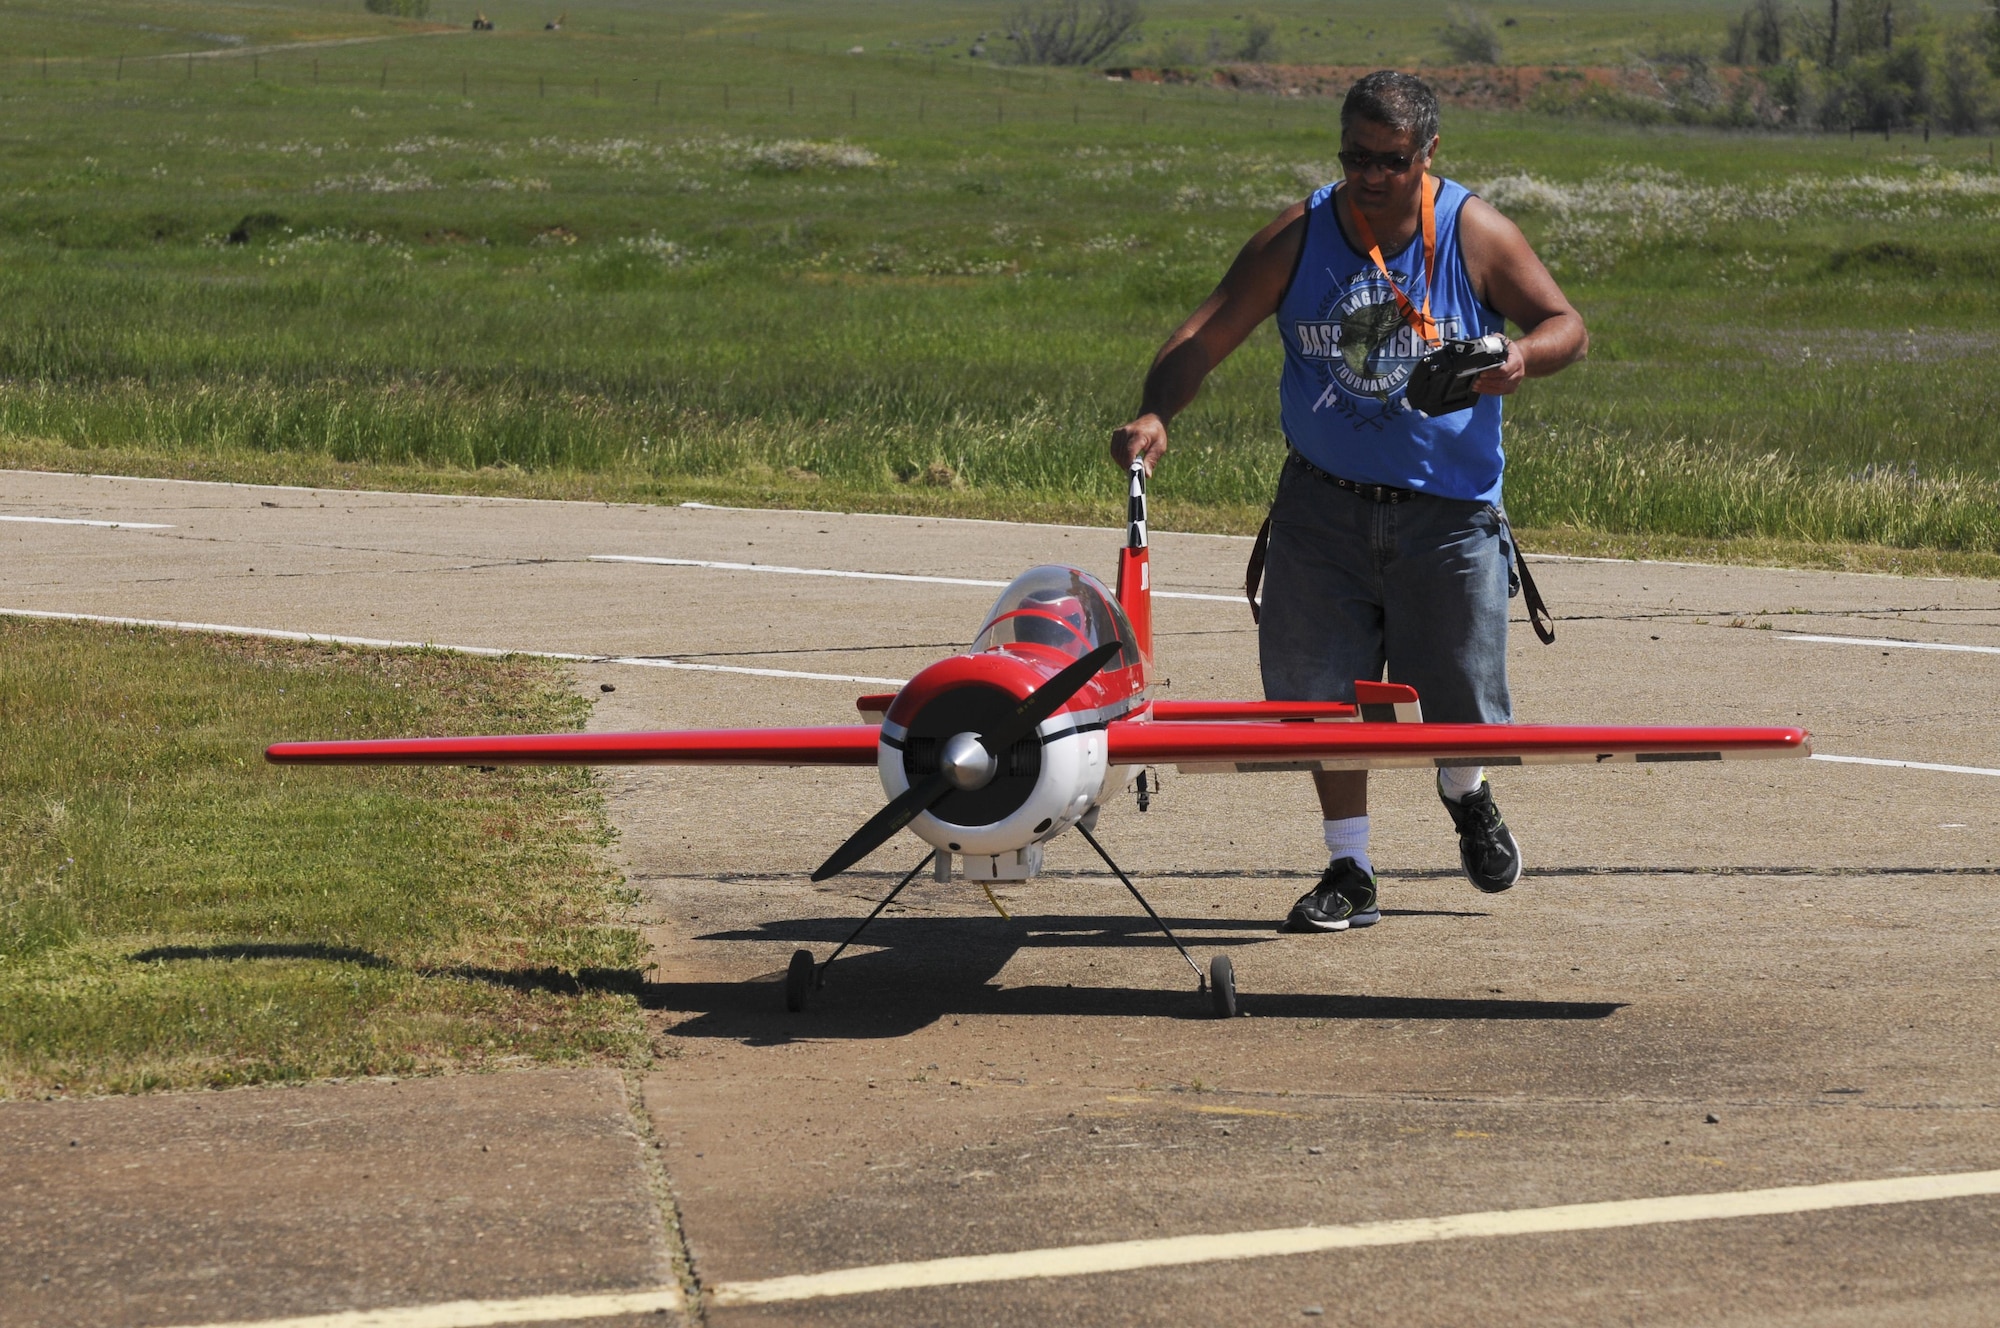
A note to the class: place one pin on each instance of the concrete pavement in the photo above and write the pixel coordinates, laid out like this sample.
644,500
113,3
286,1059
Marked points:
1804,950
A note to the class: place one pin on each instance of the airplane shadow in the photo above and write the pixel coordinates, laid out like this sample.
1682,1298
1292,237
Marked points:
918,970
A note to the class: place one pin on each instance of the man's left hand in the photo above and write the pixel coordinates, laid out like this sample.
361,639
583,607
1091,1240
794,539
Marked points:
1503,379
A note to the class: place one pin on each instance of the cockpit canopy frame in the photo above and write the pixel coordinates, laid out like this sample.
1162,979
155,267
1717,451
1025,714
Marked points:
1061,609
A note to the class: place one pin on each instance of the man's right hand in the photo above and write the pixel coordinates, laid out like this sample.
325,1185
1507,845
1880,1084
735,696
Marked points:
1144,439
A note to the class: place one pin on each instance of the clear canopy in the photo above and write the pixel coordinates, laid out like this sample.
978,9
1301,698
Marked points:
1058,608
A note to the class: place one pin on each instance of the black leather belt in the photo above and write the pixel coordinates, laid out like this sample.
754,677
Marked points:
1374,493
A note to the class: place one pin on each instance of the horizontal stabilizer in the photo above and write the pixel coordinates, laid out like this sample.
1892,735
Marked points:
1209,712
833,744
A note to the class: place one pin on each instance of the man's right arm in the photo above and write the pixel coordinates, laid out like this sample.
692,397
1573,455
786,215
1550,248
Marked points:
1249,293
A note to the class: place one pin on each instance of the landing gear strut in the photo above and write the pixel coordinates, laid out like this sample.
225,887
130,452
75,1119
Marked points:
802,977
1223,991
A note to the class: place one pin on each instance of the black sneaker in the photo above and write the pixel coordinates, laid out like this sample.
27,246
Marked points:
1344,897
1485,845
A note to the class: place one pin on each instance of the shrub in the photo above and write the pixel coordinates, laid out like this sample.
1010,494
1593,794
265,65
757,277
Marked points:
1058,33
399,8
1260,39
1469,36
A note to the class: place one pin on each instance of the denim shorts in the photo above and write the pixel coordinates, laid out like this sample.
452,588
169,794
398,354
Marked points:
1419,586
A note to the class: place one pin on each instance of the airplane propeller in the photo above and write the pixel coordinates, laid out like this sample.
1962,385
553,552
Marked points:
968,761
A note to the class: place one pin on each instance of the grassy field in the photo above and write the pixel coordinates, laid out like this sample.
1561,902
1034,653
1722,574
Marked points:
174,912
695,252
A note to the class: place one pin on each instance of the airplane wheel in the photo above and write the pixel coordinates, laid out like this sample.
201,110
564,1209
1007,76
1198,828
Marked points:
798,980
1222,986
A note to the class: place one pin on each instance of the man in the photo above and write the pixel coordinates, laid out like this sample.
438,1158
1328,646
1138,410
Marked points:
1387,542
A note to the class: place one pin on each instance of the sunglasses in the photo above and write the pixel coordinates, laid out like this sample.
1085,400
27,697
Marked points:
1359,160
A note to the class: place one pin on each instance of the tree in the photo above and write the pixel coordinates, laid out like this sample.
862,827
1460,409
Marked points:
1757,36
1058,33
1469,36
1965,97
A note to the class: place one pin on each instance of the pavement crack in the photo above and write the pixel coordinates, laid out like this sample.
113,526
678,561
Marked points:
668,1203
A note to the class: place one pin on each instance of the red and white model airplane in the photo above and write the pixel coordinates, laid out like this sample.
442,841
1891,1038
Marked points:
991,753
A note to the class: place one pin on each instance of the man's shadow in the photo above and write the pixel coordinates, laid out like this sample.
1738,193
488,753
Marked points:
918,970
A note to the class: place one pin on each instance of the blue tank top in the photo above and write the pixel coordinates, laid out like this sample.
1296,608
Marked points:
1349,352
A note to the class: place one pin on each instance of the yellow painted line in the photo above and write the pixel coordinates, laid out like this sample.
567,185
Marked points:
1179,1251
480,1313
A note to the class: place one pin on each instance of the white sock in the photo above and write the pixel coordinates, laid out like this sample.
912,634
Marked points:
1348,838
1458,780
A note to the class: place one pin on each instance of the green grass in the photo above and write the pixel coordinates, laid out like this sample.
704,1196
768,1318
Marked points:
493,260
175,912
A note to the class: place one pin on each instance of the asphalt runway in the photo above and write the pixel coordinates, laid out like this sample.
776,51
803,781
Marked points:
1712,980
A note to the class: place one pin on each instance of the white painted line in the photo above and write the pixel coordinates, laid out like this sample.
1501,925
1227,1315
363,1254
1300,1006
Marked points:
1889,643
1635,562
79,521
696,667
791,571
1112,531
479,1313
1907,765
373,643
1179,1251
859,576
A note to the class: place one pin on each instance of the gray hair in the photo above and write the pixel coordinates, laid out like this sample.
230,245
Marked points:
1400,101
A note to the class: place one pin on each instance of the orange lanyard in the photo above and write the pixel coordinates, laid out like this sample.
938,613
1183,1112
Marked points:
1420,320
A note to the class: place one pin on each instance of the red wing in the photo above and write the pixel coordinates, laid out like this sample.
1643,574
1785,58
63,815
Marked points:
833,744
1253,746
